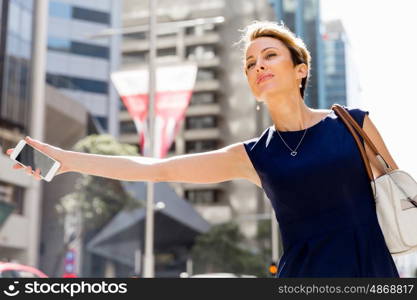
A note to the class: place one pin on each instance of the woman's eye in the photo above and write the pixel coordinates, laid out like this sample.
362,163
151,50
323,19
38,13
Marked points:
267,56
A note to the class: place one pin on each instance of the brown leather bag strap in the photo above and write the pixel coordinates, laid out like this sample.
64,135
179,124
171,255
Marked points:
350,124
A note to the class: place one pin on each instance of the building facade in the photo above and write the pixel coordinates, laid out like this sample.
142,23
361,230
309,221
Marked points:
342,82
303,18
15,119
222,110
79,64
25,237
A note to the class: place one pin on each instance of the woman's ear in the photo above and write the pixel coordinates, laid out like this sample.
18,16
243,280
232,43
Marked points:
301,70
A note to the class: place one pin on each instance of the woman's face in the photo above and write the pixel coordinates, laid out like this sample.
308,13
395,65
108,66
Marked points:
269,68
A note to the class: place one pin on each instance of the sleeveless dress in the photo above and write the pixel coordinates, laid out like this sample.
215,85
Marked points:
322,200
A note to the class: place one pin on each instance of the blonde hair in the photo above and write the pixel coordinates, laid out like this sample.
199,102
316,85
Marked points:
296,46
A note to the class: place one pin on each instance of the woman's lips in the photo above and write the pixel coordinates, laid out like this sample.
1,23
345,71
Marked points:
263,78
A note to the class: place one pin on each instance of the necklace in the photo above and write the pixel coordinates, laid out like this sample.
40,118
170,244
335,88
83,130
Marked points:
293,152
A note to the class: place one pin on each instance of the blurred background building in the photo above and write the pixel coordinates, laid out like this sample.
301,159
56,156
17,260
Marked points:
79,66
303,18
21,234
221,95
341,75
81,100
15,117
221,101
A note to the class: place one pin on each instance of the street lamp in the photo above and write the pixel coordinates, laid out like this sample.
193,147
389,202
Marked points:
149,260
163,27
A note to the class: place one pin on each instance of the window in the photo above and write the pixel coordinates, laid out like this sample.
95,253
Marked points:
76,83
200,29
89,50
136,35
167,35
203,196
204,74
134,58
64,45
203,98
12,194
60,10
58,44
128,127
166,52
200,146
200,52
90,85
90,15
103,122
66,11
197,122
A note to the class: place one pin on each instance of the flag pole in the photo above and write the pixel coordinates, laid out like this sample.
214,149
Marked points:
148,266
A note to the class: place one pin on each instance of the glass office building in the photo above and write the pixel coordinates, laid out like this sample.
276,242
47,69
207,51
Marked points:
78,65
335,63
342,78
303,18
15,65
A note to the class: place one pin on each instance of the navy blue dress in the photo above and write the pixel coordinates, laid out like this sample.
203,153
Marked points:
322,200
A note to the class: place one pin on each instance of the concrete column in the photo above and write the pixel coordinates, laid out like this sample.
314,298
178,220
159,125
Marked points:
33,197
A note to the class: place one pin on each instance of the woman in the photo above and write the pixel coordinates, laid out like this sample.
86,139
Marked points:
307,163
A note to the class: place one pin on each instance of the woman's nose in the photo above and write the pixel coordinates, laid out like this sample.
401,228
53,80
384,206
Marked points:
259,67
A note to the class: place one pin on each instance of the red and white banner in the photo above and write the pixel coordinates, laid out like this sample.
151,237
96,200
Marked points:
174,86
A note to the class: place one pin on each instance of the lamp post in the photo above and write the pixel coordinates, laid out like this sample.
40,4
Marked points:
148,265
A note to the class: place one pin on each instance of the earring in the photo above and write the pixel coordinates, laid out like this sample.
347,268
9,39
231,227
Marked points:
300,85
258,107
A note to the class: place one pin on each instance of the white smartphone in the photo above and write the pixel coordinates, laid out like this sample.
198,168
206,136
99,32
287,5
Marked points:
27,156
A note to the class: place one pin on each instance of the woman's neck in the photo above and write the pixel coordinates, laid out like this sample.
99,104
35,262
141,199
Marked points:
290,113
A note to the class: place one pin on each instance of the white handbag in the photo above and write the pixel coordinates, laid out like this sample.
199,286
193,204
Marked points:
395,194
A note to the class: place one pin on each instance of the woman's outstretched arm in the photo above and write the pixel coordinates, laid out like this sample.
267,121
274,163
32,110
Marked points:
205,167
230,162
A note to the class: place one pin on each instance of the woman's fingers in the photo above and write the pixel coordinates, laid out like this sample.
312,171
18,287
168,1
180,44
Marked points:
35,143
9,151
35,174
38,174
29,170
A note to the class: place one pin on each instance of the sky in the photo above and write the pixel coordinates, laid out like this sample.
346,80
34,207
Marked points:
384,44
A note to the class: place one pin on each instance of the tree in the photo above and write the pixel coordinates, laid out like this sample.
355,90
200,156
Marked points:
264,240
95,203
95,200
221,250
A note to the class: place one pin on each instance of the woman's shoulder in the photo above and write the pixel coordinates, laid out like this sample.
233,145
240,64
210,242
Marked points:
251,143
357,112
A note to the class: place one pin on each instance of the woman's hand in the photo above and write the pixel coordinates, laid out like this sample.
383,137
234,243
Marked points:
54,152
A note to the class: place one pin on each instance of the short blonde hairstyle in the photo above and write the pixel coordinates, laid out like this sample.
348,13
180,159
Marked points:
296,46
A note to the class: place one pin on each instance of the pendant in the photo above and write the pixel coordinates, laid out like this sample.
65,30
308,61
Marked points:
294,153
